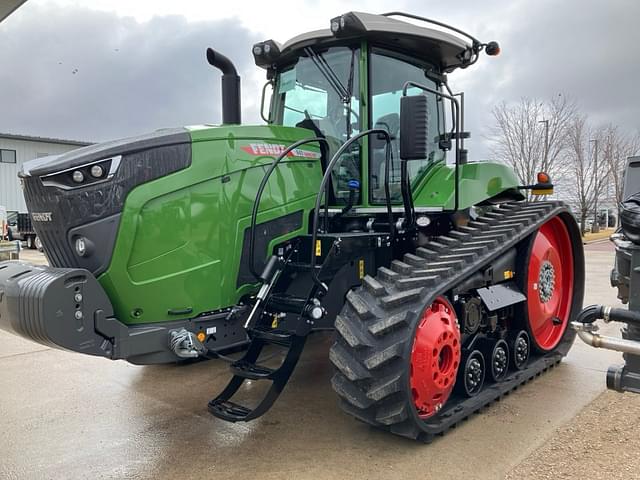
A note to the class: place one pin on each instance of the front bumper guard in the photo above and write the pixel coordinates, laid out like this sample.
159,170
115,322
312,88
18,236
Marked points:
66,308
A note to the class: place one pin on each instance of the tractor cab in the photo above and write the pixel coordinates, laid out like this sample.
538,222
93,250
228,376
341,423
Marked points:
351,78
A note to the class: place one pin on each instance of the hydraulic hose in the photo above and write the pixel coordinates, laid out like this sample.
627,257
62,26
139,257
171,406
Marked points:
595,312
590,314
324,184
260,191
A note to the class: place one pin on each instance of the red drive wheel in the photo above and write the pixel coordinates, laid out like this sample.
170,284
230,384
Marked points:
549,284
435,358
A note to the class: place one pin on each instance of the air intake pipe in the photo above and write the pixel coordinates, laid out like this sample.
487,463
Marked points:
230,87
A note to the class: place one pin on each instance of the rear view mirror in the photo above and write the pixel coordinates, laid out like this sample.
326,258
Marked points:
414,127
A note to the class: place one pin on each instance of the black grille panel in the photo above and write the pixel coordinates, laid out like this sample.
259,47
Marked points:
80,206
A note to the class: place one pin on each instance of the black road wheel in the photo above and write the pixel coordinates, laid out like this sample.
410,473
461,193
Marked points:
521,347
496,354
499,361
471,374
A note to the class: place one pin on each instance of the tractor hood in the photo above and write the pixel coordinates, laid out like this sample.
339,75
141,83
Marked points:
160,215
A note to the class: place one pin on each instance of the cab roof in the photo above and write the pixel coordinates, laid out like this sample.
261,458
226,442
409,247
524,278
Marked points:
439,48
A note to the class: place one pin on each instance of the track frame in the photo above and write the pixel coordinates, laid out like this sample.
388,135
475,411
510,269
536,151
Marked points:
378,322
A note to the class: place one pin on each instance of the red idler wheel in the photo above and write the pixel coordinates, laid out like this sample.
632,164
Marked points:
435,358
549,284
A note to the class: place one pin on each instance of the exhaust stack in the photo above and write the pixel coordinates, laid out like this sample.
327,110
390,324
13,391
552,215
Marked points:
230,87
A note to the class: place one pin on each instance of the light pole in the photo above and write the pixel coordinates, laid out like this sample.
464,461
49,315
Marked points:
595,228
546,144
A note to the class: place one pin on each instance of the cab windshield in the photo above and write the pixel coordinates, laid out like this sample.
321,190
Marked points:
321,93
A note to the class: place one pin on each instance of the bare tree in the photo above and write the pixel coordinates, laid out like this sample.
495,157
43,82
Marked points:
616,148
531,135
588,175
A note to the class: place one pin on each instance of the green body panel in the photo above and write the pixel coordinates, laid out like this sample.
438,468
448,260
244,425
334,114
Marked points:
478,182
180,238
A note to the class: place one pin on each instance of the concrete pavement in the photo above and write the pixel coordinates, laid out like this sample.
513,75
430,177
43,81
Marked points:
64,415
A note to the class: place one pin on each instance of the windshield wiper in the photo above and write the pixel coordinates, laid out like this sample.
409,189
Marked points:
350,93
328,73
345,93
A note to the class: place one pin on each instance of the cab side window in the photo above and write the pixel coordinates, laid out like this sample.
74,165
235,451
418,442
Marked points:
388,76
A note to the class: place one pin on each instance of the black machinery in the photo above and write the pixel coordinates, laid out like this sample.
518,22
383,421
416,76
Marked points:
626,277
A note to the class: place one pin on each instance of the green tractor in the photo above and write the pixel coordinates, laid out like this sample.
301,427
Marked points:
353,209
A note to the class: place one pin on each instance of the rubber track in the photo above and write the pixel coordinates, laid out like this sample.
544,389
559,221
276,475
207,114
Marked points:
376,325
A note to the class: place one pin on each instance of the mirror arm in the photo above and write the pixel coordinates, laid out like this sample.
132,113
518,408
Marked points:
456,123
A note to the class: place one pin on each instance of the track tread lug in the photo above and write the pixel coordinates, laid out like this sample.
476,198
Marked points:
448,241
386,324
385,387
416,282
469,230
387,274
414,260
438,247
460,236
400,267
391,414
349,393
431,272
373,286
426,254
405,429
359,305
483,226
348,366
465,256
397,299
353,336
382,357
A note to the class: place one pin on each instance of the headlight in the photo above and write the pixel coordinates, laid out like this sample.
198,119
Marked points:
97,171
78,176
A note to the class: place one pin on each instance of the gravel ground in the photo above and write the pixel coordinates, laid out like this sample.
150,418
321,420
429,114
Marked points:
602,442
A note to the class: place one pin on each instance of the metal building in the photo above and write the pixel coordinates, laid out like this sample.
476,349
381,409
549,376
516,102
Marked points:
17,149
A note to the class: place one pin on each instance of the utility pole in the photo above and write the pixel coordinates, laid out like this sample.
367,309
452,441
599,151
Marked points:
595,228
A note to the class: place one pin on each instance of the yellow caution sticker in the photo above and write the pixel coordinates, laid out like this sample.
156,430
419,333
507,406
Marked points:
509,274
274,323
361,268
318,248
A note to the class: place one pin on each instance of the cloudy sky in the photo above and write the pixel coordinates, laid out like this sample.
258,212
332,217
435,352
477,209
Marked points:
99,69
